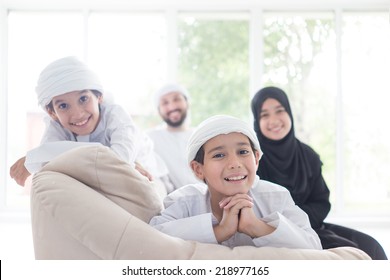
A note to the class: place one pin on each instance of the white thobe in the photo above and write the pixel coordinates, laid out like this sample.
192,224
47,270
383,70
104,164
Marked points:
115,129
171,146
188,215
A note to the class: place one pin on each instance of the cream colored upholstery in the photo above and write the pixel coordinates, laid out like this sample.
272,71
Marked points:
87,204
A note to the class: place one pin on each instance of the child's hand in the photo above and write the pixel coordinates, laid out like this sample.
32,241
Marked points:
231,206
231,201
143,171
18,171
251,225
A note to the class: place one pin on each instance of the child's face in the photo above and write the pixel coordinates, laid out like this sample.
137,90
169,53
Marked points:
229,164
274,122
77,111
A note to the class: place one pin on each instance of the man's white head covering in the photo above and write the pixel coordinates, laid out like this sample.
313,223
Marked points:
169,88
217,125
65,75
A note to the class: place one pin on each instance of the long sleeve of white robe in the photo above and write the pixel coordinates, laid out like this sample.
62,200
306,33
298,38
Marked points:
188,215
171,146
116,130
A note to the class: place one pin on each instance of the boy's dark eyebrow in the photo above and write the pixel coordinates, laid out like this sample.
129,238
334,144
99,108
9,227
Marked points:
221,147
215,149
60,101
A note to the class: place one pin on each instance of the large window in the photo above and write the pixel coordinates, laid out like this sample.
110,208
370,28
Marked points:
334,68
365,99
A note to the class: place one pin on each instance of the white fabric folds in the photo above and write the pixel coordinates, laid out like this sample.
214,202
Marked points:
65,75
38,157
217,125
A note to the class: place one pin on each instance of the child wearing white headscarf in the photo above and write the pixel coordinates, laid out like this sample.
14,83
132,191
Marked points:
72,95
235,207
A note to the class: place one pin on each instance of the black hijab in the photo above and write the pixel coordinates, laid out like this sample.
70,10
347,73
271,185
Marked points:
286,161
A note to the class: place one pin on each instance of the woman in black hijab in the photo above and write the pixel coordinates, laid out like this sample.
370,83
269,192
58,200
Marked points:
294,165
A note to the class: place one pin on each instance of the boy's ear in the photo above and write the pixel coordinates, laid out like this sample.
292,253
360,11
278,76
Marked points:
197,168
52,114
257,157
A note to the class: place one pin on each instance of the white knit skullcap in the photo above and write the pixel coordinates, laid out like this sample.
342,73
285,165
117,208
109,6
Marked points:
65,75
169,88
217,125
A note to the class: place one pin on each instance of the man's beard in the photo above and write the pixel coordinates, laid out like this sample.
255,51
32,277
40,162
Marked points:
176,123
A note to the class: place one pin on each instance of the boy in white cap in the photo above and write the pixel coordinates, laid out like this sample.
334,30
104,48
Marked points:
72,96
170,140
236,208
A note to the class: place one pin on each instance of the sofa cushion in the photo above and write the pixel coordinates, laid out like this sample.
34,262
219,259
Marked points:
98,167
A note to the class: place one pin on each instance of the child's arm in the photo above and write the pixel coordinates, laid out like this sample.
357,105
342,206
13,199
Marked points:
18,171
291,223
186,215
143,171
26,165
289,232
251,225
122,133
41,155
174,221
197,228
228,225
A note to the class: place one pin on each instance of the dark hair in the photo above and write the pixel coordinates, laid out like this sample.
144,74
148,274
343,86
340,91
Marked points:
49,107
199,157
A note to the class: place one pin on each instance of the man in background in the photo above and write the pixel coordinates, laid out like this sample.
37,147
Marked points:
170,139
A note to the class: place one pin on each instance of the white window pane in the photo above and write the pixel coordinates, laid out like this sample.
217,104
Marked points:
128,51
366,95
35,39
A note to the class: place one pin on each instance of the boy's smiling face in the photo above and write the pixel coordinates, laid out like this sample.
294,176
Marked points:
229,165
77,111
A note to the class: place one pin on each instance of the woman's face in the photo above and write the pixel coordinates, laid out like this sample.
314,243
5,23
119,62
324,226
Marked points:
274,121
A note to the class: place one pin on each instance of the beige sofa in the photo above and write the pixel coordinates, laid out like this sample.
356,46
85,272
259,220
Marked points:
87,204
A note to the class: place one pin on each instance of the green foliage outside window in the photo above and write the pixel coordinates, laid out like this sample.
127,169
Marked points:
214,65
